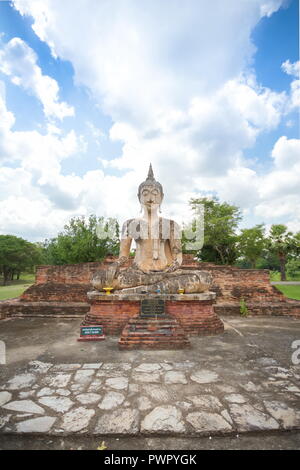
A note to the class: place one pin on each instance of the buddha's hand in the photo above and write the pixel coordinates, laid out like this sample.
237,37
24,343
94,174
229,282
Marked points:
113,270
173,267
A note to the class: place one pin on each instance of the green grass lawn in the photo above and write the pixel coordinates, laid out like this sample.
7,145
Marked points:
292,292
275,276
16,288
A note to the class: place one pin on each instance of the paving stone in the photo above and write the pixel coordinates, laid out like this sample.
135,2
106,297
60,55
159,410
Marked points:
147,367
95,385
111,373
206,401
117,383
66,367
226,416
111,400
248,418
57,380
63,392
92,366
4,420
78,388
204,376
175,377
21,381
183,405
118,422
280,385
59,404
88,398
266,361
39,367
77,419
143,403
145,377
204,422
25,406
235,398
278,372
84,376
163,419
133,389
5,397
251,387
22,416
35,425
226,388
186,365
288,417
158,393
45,391
292,388
27,394
117,366
166,366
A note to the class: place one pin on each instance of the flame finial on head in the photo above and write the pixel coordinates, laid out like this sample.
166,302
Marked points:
150,173
150,180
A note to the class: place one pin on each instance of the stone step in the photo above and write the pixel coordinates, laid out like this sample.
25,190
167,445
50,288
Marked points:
149,333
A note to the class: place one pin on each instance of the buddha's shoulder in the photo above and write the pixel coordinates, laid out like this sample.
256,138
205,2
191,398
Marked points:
169,222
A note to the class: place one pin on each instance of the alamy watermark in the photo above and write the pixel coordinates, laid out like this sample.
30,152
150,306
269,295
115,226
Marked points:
296,354
2,353
165,229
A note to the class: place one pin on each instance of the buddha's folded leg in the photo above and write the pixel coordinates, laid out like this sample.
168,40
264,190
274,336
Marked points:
170,285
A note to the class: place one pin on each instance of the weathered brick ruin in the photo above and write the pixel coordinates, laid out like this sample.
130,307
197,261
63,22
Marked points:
60,291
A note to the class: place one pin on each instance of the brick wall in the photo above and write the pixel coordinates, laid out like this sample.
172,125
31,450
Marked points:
112,315
196,318
72,282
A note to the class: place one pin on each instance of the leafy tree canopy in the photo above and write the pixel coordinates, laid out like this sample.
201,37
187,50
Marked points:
220,223
16,255
83,240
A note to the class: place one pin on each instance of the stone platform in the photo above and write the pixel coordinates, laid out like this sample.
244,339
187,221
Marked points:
194,313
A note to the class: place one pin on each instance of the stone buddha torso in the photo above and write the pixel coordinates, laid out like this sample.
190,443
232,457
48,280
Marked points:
157,240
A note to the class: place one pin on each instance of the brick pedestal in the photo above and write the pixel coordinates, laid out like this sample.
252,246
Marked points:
193,312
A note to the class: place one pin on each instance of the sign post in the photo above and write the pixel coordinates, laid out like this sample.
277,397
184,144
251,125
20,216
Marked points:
91,333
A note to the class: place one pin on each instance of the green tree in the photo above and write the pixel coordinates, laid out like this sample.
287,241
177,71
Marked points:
293,268
251,243
83,240
16,255
283,244
220,223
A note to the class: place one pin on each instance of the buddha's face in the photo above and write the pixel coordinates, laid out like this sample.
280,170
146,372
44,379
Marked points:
151,197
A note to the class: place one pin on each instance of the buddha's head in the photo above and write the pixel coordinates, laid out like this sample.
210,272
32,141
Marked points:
150,192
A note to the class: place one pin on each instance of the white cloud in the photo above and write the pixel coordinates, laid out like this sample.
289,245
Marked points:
139,60
176,83
293,69
279,189
19,62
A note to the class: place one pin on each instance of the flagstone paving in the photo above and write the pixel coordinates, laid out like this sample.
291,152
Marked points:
239,382
150,398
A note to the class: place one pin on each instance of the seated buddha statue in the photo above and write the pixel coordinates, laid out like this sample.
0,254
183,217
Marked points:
158,256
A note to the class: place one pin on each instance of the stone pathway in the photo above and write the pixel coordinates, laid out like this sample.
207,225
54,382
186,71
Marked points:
156,398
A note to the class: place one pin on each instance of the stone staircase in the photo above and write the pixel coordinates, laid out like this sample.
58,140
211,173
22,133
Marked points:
151,333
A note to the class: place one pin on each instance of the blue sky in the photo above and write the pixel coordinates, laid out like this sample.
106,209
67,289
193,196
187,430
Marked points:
92,95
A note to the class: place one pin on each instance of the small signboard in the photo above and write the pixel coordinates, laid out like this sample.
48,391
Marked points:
91,333
152,307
